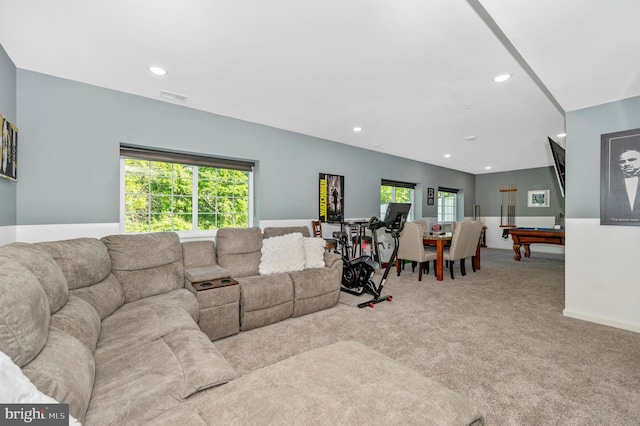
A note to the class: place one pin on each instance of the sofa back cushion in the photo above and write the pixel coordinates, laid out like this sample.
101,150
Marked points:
146,264
46,270
24,313
87,268
238,250
80,320
278,231
64,370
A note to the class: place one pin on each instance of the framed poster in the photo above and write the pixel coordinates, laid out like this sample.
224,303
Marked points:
331,193
8,150
619,175
538,198
430,196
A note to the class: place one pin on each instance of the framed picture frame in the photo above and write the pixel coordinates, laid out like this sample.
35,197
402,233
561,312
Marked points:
619,176
430,196
8,150
331,194
538,198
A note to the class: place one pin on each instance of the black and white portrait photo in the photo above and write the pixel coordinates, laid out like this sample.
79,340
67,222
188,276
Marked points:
619,178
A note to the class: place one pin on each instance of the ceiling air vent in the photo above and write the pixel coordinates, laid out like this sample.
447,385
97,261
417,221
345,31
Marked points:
172,96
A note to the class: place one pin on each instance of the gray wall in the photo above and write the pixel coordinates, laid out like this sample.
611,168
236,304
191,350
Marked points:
584,128
70,134
489,197
8,110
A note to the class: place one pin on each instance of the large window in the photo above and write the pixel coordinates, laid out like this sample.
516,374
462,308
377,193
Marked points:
167,191
447,205
396,192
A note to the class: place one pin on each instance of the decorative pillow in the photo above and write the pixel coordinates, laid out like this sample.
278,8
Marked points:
282,254
16,388
314,252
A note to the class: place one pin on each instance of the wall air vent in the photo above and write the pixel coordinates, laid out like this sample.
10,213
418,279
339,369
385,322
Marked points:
172,96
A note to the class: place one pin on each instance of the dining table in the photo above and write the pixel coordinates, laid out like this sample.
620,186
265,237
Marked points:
441,240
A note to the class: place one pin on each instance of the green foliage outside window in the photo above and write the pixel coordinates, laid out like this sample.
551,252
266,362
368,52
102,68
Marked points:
162,196
393,194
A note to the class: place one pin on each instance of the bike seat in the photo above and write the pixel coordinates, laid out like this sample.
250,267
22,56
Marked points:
339,235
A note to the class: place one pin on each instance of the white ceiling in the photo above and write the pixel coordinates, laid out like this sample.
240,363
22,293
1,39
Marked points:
416,75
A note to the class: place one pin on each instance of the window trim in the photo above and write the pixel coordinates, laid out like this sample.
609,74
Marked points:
440,219
215,162
397,184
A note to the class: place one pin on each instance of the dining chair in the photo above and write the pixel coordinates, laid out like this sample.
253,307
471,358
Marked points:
457,250
359,239
331,243
472,245
410,247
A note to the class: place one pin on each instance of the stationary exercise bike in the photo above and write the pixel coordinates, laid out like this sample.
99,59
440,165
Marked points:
357,273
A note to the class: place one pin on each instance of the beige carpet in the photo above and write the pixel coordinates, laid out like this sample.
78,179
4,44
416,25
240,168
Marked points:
496,336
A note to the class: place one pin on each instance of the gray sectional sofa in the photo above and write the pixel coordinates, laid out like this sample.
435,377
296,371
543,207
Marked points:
115,328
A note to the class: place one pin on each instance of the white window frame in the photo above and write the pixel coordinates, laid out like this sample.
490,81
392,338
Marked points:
195,233
442,218
412,194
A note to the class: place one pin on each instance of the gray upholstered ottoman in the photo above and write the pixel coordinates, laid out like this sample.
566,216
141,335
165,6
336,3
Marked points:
344,383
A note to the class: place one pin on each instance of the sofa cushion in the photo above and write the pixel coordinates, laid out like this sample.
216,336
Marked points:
314,249
146,264
154,376
105,297
16,388
65,371
238,250
277,231
282,254
315,290
86,265
206,273
84,261
43,266
80,320
146,320
25,326
198,253
265,299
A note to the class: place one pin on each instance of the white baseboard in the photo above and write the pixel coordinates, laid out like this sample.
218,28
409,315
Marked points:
7,235
603,321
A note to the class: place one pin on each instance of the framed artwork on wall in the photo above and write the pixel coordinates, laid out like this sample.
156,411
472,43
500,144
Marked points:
538,198
619,175
8,150
430,196
331,192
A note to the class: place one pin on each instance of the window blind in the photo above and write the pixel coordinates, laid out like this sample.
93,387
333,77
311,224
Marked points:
388,182
154,154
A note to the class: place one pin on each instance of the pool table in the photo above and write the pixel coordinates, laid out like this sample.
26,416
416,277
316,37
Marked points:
526,236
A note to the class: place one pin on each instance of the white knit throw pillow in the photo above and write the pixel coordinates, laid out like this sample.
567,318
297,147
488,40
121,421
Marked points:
282,254
314,252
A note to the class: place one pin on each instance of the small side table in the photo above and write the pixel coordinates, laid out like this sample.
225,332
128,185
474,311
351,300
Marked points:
219,302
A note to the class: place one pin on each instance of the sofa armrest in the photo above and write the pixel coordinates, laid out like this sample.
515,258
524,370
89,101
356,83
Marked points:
206,273
333,260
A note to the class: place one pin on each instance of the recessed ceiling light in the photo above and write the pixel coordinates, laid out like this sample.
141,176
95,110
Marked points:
447,155
502,77
470,138
157,70
357,129
488,168
561,135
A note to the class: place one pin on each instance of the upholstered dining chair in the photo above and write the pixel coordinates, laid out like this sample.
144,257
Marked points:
457,250
464,243
472,245
410,247
331,243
